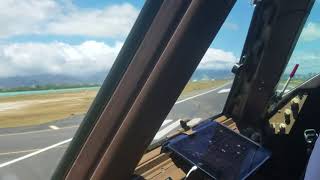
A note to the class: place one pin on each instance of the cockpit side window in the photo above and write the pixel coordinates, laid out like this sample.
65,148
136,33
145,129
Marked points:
306,53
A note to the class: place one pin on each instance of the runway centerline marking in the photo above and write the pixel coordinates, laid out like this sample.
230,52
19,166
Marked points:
176,124
39,131
68,140
201,94
224,91
54,127
166,130
34,153
166,122
17,152
173,126
25,151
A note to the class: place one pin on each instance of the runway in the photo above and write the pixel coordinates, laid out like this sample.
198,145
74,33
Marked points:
32,153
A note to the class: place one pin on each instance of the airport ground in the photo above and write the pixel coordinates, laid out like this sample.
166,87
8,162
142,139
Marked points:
33,152
36,109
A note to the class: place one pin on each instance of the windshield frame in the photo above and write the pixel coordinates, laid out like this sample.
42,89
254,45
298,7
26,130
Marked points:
124,58
259,69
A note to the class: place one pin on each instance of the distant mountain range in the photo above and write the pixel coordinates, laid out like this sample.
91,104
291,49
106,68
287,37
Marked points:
48,79
97,78
207,74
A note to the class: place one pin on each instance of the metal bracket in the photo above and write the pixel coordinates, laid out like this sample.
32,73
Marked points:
236,68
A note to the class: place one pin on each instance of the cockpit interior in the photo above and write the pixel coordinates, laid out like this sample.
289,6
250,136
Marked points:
263,132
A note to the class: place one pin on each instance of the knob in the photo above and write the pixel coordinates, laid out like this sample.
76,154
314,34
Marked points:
282,128
295,103
287,115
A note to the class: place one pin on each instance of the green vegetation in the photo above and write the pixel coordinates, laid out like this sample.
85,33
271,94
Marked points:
35,109
47,87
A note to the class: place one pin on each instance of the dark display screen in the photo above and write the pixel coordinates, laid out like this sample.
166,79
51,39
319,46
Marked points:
219,152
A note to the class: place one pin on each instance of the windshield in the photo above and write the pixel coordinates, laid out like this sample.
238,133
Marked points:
56,54
306,53
206,93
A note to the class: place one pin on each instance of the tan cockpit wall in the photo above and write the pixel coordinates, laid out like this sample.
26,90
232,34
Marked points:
282,121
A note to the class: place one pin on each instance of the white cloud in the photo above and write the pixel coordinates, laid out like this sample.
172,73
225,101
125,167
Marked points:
217,59
112,21
22,16
25,17
311,32
308,61
87,58
56,58
55,17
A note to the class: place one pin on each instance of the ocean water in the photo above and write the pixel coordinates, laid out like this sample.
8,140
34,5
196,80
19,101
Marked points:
6,94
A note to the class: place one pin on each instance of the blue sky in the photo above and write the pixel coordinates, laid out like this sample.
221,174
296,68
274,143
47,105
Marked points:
80,36
307,50
102,3
235,27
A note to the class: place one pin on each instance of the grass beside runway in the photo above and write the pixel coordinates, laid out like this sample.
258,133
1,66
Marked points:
201,85
27,110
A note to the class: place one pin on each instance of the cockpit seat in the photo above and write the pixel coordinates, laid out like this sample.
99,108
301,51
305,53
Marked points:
313,167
